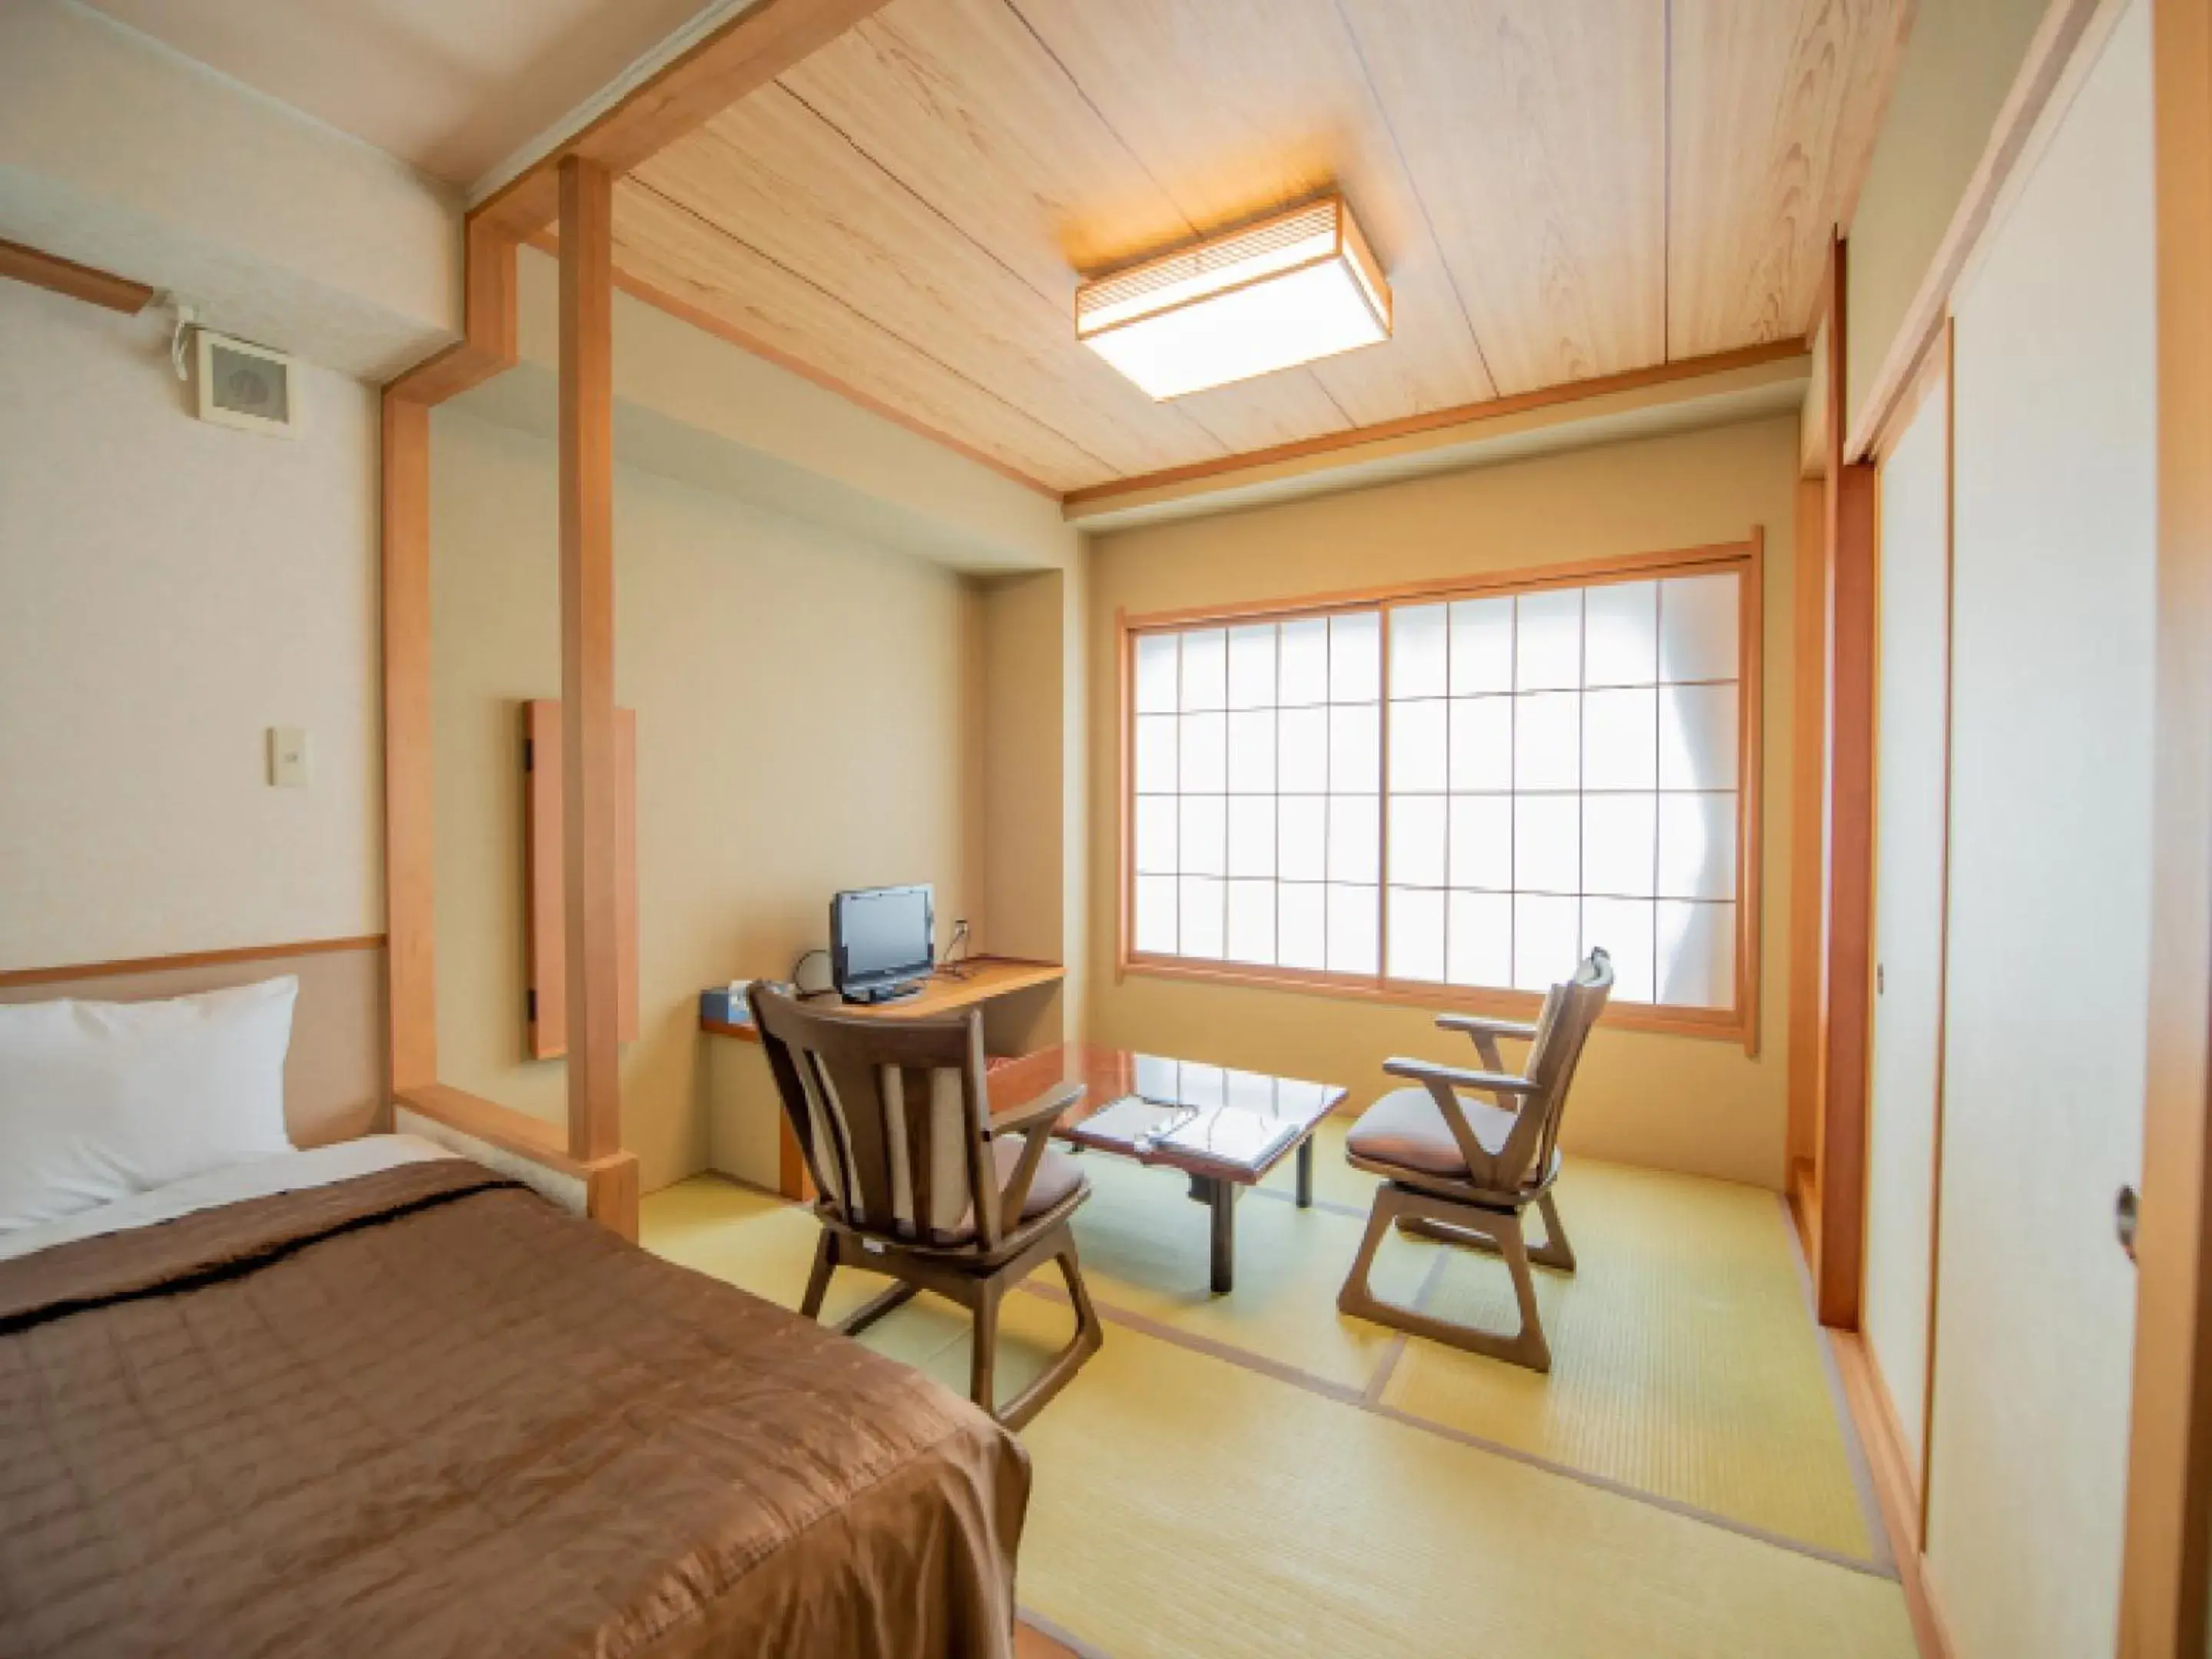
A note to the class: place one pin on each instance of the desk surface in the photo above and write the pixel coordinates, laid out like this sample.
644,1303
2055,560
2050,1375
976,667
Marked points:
979,980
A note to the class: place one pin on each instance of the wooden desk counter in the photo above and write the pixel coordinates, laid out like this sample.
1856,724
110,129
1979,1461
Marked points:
980,979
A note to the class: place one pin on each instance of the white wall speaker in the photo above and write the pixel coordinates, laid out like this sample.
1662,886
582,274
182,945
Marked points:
246,386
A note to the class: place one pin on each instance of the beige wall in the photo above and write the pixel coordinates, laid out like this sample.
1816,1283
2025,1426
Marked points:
802,706
1030,822
1678,1102
169,590
1958,64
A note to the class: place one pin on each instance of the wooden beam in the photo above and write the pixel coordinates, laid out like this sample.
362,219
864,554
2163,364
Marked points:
587,656
745,53
85,283
410,827
1434,420
2163,1591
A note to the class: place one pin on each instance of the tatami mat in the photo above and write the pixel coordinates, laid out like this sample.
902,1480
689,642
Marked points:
1226,1456
1684,1361
1145,1250
1187,1506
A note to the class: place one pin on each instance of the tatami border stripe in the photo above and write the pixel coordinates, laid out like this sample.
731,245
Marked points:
1358,1398
1068,1638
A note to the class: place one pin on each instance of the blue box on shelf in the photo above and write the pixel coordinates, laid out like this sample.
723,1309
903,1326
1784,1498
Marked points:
726,1005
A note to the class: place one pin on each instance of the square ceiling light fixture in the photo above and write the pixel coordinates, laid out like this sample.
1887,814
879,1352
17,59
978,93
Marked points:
1300,286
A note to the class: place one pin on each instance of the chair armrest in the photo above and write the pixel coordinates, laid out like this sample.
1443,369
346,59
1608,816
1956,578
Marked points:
1455,1077
1033,1122
1044,1109
1523,1030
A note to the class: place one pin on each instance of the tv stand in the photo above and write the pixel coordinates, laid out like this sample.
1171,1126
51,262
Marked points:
876,996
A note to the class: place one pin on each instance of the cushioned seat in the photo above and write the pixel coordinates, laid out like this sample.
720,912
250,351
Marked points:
1461,1170
1059,1177
1406,1128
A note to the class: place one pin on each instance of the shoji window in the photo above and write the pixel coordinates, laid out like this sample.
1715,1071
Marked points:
1448,798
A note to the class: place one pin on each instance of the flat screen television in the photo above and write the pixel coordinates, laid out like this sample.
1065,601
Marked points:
882,941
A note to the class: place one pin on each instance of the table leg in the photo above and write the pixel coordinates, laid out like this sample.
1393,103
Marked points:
1220,1198
1222,1202
1305,1173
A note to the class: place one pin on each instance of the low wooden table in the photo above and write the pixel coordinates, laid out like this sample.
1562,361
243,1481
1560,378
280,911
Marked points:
1226,1130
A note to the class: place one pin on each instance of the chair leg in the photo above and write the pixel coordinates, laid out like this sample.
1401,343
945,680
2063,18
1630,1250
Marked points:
1088,1337
1455,1224
876,1307
817,1281
1555,1251
983,1360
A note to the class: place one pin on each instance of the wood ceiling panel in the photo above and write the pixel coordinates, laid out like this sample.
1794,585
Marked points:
1535,134
1774,107
959,104
776,176
1236,107
675,252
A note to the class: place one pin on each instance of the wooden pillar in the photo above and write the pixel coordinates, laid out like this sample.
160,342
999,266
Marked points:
1848,966
1808,726
589,798
410,829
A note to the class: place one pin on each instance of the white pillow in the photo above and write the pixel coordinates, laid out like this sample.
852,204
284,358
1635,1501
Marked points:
101,1100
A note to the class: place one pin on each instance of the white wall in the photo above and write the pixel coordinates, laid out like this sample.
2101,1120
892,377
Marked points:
1910,754
168,590
2053,644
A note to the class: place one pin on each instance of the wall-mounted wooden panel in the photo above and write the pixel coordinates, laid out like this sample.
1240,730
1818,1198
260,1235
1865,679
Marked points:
545,935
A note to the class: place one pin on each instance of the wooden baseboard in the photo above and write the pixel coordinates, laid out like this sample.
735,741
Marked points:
1895,1490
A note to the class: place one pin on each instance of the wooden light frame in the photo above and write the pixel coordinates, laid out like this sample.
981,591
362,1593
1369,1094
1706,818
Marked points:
573,183
1738,1023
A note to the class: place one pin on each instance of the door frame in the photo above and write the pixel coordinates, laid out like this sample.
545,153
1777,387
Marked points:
2165,1578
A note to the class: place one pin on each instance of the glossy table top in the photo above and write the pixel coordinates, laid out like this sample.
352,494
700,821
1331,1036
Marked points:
1210,1120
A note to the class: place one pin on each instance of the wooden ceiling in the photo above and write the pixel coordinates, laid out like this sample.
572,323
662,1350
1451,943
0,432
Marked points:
1559,189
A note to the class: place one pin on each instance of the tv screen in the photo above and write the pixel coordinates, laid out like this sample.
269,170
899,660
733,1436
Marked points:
881,936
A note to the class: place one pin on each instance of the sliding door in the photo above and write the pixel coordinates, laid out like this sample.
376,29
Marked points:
2053,643
1910,821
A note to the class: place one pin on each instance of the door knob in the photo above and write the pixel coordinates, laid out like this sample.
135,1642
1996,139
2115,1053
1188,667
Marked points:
2125,1206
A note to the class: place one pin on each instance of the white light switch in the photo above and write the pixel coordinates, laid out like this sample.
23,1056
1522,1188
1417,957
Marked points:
287,757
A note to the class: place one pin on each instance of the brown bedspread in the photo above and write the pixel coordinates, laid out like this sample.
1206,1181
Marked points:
425,1412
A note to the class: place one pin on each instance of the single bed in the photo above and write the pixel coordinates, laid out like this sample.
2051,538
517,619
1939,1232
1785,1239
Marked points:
372,1398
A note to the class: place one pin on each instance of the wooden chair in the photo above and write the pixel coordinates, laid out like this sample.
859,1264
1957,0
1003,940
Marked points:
917,1180
1462,1171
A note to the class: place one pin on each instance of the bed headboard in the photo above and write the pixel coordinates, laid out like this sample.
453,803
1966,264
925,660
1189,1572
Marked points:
335,1086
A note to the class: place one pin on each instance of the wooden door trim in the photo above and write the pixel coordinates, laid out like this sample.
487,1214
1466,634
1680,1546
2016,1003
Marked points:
2164,1571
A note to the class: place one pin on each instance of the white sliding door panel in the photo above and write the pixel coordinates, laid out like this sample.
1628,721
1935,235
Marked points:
1910,752
2053,635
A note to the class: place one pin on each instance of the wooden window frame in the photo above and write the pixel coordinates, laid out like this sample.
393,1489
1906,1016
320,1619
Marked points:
1740,1024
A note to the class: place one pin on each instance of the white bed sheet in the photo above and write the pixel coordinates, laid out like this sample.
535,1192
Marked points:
233,1184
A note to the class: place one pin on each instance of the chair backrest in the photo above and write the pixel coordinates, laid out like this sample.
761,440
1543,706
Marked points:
892,1118
1569,1011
